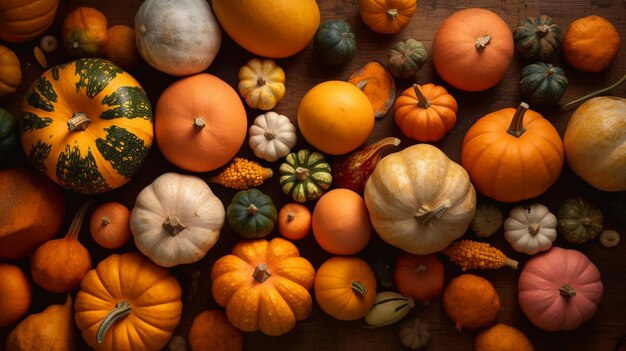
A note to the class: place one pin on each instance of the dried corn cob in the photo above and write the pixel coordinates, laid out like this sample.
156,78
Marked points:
242,174
477,255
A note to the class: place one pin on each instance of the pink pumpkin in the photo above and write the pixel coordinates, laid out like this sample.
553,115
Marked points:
559,289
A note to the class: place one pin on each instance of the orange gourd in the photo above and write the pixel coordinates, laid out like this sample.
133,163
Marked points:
264,285
294,221
85,32
196,131
425,113
23,20
211,330
10,72
345,287
512,155
472,49
121,47
341,222
591,43
16,293
109,225
419,276
387,16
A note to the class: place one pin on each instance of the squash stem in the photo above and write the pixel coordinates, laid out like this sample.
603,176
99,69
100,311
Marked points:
261,273
425,214
302,173
567,290
422,100
199,122
260,81
516,128
79,121
482,42
291,217
420,268
358,287
121,310
534,229
593,94
105,221
270,134
252,210
77,221
174,225
393,13
542,30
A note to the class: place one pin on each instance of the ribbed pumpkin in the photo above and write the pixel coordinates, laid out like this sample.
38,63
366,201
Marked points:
537,38
23,20
512,155
85,32
128,303
387,16
406,58
579,221
542,83
10,72
305,175
87,125
334,42
251,214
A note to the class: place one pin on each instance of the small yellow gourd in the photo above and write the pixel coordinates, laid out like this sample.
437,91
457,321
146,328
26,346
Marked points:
242,174
477,255
389,307
262,83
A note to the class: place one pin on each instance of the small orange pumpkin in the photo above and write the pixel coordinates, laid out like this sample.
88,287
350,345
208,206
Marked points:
419,276
425,113
387,16
211,330
122,47
85,32
16,293
294,221
109,225
591,44
10,72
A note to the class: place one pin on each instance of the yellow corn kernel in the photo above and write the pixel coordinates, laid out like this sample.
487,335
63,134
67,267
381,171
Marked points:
469,254
242,174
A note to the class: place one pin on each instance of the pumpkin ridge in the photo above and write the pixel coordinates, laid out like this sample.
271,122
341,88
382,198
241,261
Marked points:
42,95
123,150
95,74
130,102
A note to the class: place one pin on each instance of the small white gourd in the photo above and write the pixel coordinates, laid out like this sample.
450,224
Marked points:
272,136
389,307
414,333
530,229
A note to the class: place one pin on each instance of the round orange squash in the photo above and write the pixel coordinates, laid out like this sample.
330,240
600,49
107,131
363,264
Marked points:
336,117
109,225
10,72
269,28
23,20
472,49
16,293
199,131
294,221
591,44
85,32
387,16
121,47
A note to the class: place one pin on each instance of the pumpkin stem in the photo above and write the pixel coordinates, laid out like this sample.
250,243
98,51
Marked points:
393,13
516,128
481,42
358,287
425,214
534,229
260,81
252,210
567,291
199,122
270,134
586,221
595,93
105,221
77,222
174,225
302,173
421,268
79,121
121,310
542,30
291,217
422,100
261,273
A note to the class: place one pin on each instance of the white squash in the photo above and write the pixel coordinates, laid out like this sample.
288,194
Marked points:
272,136
176,219
178,37
414,333
530,229
389,307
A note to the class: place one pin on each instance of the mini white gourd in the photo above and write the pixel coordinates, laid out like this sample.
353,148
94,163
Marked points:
272,136
530,229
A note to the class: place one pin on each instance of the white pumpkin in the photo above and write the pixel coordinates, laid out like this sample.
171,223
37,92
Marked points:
176,219
272,136
178,37
530,229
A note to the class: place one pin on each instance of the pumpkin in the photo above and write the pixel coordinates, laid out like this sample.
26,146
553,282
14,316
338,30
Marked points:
211,330
472,49
251,214
502,337
305,175
272,136
264,285
345,287
340,222
426,112
591,43
542,83
389,307
93,95
9,134
10,72
23,20
335,117
177,37
387,16
530,229
128,303
512,154
176,219
579,220
16,293
334,42
414,333
375,80
406,58
273,28
559,289
122,47
109,225
419,200
25,192
85,32
184,120
51,329
537,38
487,220
420,277
261,83
471,302
594,141
294,221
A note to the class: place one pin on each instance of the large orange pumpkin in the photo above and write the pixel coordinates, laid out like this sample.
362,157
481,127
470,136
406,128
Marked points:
512,155
472,49
200,123
23,20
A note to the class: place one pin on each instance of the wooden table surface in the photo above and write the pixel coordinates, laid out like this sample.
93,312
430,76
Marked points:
303,71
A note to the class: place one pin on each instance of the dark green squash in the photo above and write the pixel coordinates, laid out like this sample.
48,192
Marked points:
579,221
251,214
305,175
537,38
542,83
334,42
406,58
8,133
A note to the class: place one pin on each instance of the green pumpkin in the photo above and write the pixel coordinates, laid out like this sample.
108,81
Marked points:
537,38
542,83
251,214
334,42
406,58
305,175
578,220
8,133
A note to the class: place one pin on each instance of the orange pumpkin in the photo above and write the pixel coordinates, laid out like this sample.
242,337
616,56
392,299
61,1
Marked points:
419,276
109,225
472,49
16,293
196,131
387,16
85,32
23,20
264,285
122,48
512,155
345,287
211,330
425,113
294,221
10,72
591,44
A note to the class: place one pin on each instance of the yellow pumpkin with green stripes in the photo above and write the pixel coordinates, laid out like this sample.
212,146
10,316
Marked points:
305,175
87,125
